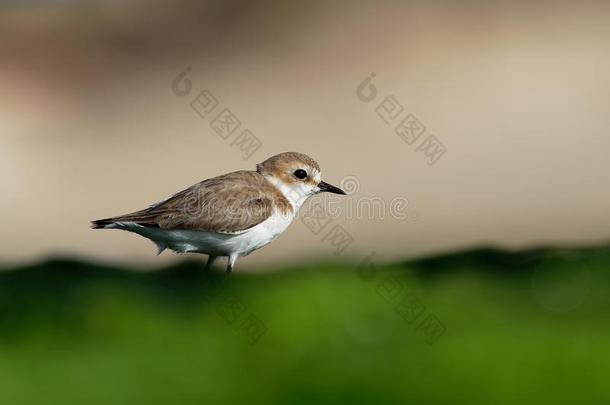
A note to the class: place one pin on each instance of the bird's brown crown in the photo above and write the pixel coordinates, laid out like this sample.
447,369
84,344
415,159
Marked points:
286,161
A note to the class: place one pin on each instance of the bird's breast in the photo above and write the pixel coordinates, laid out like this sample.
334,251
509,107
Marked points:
265,232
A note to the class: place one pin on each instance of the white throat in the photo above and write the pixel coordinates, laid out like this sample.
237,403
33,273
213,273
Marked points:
296,194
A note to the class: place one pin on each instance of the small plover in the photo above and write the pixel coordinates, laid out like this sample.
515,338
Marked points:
230,215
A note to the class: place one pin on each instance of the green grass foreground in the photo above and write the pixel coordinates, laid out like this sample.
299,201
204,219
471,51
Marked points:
482,327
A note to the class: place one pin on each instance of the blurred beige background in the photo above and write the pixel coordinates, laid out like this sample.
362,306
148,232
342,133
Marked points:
519,94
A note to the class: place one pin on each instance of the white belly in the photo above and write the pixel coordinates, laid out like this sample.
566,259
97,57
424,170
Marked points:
216,244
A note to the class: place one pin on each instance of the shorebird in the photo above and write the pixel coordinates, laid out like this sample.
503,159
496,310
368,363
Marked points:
230,215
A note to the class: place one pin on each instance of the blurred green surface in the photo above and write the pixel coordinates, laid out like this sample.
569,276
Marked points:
530,327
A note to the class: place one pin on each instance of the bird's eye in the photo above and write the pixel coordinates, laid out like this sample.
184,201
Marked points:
300,174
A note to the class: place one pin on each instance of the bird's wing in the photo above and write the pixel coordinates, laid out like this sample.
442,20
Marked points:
231,204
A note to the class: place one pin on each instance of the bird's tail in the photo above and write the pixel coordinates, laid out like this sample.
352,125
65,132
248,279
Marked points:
143,217
115,223
102,223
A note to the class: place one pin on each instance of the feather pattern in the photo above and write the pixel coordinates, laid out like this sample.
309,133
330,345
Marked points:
229,204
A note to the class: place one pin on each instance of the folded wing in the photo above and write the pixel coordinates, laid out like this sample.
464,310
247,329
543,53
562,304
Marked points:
231,204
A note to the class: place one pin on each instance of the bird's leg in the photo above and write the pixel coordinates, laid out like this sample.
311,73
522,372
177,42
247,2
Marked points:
211,260
231,263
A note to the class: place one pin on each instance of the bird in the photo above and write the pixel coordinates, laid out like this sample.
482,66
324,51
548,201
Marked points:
230,215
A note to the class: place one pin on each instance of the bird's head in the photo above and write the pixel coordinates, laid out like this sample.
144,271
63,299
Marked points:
296,175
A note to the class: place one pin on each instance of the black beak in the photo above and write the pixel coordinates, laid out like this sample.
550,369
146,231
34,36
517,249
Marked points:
329,188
